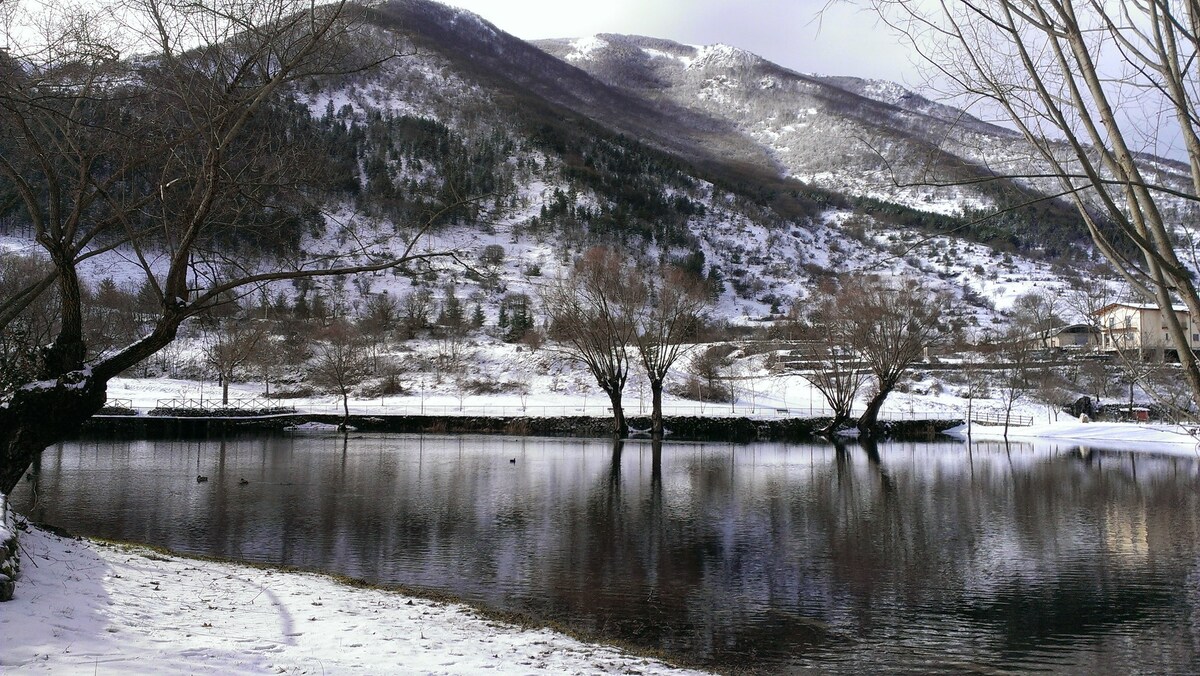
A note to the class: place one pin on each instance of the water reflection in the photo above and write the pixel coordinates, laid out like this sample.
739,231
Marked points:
921,557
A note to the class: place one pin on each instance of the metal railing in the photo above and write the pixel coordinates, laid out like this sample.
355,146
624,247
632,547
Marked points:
408,407
256,406
987,418
484,409
125,404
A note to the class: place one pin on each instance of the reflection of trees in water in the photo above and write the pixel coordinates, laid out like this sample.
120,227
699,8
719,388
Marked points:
718,552
1031,551
655,561
871,531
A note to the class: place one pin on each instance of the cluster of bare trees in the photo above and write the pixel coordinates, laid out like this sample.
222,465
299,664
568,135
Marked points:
868,329
605,312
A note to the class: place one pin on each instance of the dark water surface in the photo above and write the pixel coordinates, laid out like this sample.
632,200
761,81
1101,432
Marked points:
781,558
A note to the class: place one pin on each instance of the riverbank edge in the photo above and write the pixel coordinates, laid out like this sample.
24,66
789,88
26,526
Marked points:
511,618
727,429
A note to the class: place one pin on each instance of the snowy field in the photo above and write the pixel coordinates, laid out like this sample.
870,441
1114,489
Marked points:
86,607
567,392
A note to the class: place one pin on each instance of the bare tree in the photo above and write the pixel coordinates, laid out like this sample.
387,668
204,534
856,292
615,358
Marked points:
890,325
834,368
1092,86
380,317
271,355
708,372
230,344
673,309
35,326
591,312
340,364
416,307
1164,386
972,374
112,319
1036,313
1015,378
1086,302
163,159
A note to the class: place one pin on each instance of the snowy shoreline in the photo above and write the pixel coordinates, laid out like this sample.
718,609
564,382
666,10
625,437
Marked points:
1160,438
108,608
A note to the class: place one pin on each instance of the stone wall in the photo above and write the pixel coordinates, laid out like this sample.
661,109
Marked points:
680,428
10,558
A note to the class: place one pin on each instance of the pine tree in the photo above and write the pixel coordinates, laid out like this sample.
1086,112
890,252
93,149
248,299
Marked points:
451,316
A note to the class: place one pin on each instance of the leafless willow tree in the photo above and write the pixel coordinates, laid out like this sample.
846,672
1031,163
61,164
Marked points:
889,324
673,307
592,314
1092,85
142,130
834,366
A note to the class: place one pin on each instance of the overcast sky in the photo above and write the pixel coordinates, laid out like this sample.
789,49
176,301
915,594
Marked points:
843,40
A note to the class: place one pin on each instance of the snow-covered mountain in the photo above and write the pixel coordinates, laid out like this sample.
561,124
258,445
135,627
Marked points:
864,138
772,177
762,179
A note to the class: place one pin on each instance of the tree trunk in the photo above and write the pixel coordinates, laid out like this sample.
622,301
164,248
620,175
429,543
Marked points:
224,390
870,417
839,419
54,409
68,350
656,414
38,417
970,414
345,410
620,426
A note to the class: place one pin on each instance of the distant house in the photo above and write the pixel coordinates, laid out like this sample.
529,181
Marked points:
1079,337
1142,327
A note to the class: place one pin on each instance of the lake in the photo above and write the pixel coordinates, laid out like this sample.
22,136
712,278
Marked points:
917,557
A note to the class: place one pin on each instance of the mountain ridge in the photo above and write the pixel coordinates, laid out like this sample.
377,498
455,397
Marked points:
503,144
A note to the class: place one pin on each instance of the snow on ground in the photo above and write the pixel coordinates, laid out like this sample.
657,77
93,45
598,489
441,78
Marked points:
1155,438
317,427
568,392
91,607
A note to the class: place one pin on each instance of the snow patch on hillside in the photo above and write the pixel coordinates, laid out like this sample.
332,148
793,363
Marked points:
723,56
659,54
584,48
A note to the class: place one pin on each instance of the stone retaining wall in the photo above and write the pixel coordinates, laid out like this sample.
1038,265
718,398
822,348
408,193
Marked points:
680,428
10,558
